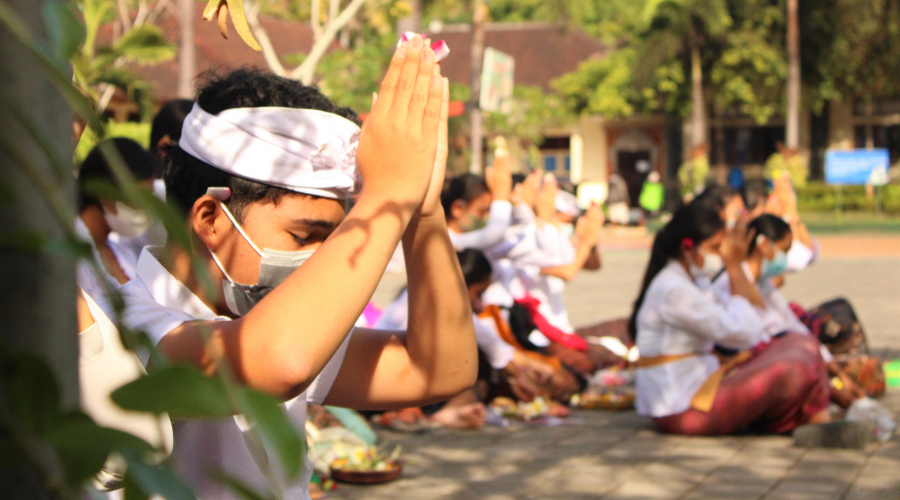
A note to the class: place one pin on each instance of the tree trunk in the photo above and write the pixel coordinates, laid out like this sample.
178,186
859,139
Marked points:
477,58
792,132
38,307
698,113
413,21
187,62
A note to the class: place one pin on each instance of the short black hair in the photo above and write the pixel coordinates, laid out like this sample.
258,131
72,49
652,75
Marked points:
476,268
465,187
96,168
168,121
774,228
754,192
188,178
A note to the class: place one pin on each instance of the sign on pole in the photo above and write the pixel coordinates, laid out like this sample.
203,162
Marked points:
857,167
497,77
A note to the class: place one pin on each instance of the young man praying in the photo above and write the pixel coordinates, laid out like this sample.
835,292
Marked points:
263,171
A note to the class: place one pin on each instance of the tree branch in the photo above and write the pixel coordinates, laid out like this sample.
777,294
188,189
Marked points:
315,17
307,69
124,16
262,37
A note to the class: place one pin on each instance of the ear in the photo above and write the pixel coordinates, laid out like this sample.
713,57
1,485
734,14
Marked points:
206,221
458,209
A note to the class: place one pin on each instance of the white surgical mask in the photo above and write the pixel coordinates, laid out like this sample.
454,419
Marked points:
128,222
712,265
274,267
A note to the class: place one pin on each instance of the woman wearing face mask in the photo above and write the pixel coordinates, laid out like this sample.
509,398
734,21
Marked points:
477,208
677,321
106,224
767,260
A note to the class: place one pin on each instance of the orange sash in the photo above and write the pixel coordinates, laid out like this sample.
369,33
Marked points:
493,311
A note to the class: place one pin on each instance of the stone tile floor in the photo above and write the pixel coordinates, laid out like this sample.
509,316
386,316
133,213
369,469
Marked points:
608,455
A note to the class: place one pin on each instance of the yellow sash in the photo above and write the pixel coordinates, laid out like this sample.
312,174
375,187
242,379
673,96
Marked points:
705,396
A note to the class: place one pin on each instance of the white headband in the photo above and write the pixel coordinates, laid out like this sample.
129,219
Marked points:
303,150
567,203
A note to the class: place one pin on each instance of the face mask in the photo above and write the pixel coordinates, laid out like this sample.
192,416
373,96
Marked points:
274,267
712,264
127,221
775,267
567,230
472,223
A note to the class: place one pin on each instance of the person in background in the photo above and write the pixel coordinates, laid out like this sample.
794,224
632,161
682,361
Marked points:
676,321
478,209
166,128
766,260
653,194
262,174
105,223
617,201
726,200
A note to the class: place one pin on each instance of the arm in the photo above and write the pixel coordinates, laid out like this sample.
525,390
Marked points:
734,249
734,324
283,343
587,232
437,357
491,234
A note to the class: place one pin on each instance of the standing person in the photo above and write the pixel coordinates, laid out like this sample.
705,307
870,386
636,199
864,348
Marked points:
680,383
617,202
653,194
104,223
262,173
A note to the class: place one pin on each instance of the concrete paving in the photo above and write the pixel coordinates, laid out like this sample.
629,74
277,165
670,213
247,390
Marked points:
618,455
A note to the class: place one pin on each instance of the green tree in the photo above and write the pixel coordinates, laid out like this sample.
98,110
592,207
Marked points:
99,70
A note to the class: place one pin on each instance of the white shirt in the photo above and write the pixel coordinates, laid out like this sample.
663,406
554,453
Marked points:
90,281
156,302
680,317
491,234
497,351
777,316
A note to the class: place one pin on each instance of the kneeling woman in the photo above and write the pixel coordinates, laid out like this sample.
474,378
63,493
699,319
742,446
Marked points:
677,320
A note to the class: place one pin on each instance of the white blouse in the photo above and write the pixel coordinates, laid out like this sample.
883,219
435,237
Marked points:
679,316
498,221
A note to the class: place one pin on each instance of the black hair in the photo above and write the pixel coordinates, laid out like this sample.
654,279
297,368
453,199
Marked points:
772,227
188,178
96,168
754,192
168,121
476,268
717,196
465,187
696,222
518,179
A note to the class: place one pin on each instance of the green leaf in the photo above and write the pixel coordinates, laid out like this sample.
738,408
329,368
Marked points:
239,487
264,411
83,446
65,31
145,44
182,391
154,480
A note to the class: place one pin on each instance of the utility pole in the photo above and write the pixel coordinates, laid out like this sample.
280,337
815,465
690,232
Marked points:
187,63
792,132
475,110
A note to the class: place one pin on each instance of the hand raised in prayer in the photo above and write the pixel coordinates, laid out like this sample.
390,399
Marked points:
431,205
587,229
528,189
398,143
545,206
736,243
786,198
499,177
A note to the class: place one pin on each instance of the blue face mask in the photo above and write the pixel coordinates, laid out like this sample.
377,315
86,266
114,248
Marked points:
775,267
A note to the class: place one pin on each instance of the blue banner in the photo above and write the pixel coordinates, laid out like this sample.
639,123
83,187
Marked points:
858,166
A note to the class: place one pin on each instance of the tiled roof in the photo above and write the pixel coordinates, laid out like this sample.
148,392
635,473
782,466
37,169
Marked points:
543,51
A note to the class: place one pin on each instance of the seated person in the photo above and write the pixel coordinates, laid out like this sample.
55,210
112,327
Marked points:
105,223
782,202
680,383
478,209
262,172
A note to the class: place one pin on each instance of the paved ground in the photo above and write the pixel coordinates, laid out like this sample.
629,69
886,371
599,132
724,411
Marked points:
605,455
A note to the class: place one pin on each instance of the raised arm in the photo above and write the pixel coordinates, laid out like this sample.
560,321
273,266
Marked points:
436,358
283,343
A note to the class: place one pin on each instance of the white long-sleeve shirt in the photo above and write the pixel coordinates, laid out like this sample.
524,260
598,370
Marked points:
499,220
777,316
680,317
498,352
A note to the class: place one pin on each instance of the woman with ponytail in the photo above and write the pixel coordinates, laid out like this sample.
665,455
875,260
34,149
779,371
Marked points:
677,320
